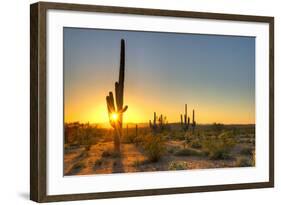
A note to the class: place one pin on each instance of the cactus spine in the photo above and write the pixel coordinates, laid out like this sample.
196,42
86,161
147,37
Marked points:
116,113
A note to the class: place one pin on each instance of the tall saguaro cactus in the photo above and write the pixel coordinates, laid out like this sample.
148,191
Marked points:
193,121
115,113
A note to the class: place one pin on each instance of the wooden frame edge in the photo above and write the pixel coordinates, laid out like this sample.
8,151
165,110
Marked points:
33,102
38,101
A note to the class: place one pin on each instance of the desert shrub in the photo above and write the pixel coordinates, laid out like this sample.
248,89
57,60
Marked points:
246,151
87,147
180,165
154,147
129,139
218,127
82,155
78,166
196,144
188,152
177,135
249,141
99,162
139,140
138,163
173,149
110,153
219,147
245,162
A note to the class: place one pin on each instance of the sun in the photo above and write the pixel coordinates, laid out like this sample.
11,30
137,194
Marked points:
114,116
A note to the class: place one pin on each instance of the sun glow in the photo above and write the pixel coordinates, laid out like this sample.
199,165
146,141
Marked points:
114,116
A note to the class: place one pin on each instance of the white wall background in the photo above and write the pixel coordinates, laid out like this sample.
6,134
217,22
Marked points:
14,101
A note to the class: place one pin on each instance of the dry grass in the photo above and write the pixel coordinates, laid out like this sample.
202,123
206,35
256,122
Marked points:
233,146
188,152
154,147
219,147
110,153
179,165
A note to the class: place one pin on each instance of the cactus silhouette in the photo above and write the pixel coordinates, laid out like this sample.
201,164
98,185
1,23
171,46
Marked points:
193,121
115,113
161,120
185,120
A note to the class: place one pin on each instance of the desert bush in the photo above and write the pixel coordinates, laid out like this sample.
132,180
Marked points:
188,152
129,139
78,166
245,162
110,153
177,135
196,144
98,162
138,140
246,151
218,127
83,154
173,149
154,147
180,165
138,163
219,147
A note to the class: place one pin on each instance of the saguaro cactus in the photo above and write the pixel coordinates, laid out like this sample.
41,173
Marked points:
116,113
153,123
136,130
193,121
158,123
185,120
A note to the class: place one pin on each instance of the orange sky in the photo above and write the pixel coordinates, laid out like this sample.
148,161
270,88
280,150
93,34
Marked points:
141,111
215,75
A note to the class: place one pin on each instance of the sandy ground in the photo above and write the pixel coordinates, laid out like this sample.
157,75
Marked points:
78,161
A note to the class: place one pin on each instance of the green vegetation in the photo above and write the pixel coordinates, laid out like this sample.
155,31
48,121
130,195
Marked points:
98,162
180,165
78,166
219,147
247,151
245,162
188,152
154,147
147,149
110,153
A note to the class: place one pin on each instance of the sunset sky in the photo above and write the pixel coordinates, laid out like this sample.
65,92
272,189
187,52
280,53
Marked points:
215,75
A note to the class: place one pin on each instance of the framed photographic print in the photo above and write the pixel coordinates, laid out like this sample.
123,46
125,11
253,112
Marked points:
134,102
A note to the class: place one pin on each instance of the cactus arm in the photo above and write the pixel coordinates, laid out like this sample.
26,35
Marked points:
110,101
124,109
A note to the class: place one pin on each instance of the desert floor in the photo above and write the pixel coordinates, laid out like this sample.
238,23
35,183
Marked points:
99,157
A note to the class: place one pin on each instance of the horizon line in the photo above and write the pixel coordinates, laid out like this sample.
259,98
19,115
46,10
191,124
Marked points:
208,123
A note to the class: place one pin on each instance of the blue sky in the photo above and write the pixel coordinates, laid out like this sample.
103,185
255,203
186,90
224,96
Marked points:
215,75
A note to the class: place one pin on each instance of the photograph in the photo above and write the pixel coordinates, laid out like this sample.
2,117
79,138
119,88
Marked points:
144,101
